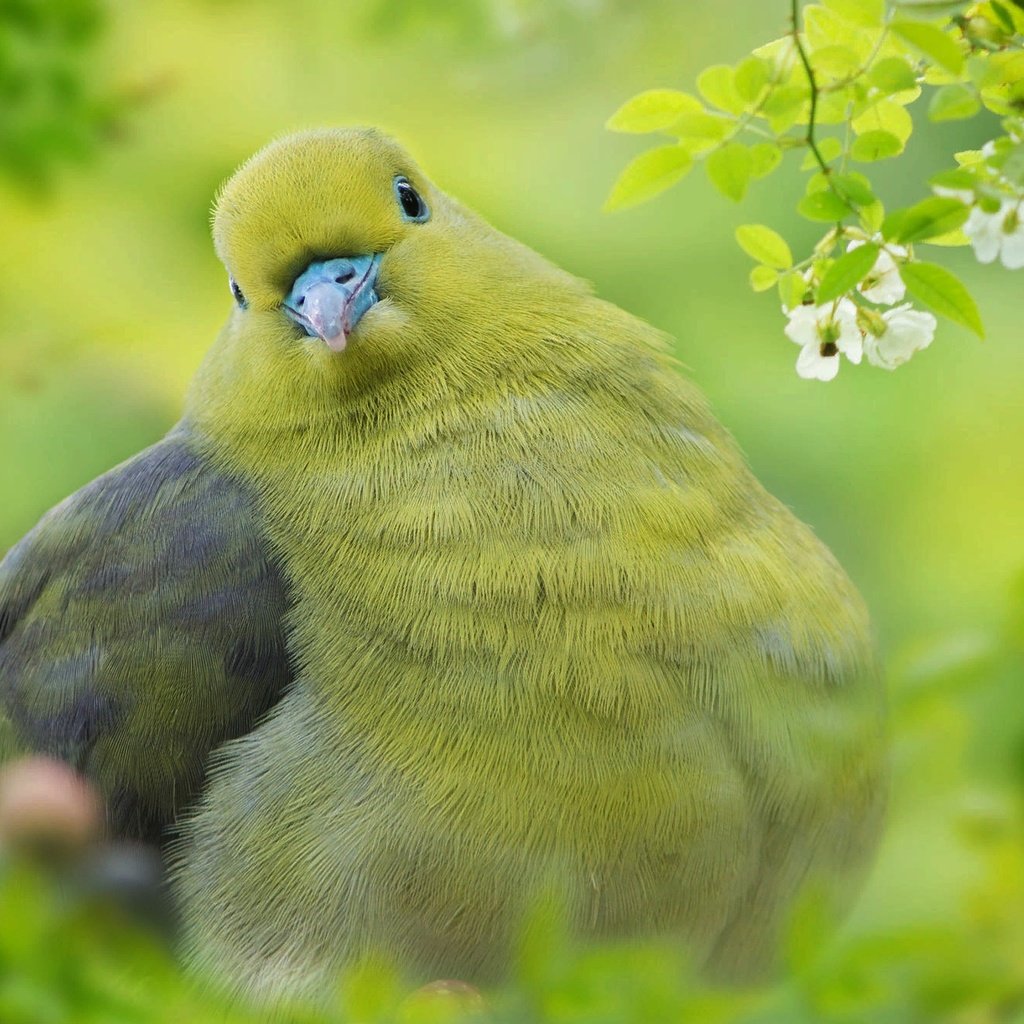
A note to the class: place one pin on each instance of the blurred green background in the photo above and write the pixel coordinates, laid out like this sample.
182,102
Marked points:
119,121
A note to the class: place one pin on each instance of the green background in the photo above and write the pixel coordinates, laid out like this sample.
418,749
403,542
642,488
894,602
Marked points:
110,293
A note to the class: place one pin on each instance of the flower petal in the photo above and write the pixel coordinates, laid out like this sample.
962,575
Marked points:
875,356
1013,248
985,232
907,330
885,290
884,284
812,365
850,340
802,328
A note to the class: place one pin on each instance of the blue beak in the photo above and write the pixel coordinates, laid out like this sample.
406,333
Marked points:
330,297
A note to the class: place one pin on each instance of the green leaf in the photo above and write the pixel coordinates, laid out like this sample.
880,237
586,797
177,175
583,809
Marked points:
764,245
779,52
764,158
944,292
847,272
729,170
931,8
784,105
833,108
717,86
885,116
951,240
854,187
875,145
927,219
817,182
892,74
868,13
1004,16
980,71
750,78
989,202
933,74
953,103
823,206
1002,80
701,125
653,110
932,42
1008,67
836,61
762,278
792,289
647,175
871,217
830,147
958,178
823,27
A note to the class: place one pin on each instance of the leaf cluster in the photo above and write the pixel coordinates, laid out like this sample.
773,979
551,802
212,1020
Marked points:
840,88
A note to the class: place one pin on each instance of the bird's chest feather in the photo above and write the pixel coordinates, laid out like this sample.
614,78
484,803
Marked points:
494,594
508,562
507,611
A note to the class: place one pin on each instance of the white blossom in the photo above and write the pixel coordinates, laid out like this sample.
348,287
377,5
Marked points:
823,333
906,331
883,284
998,234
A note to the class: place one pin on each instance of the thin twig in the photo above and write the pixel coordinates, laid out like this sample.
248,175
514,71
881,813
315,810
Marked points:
812,81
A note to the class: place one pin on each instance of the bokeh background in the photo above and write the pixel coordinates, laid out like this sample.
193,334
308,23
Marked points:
118,121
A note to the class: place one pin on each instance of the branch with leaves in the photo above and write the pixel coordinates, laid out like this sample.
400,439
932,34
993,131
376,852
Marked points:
840,86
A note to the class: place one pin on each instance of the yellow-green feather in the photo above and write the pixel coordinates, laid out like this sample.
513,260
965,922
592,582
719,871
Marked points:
549,628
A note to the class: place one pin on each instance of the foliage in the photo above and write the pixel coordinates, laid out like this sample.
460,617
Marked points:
51,110
838,88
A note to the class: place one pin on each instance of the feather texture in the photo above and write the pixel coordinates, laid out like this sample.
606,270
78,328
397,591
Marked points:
140,627
519,617
550,629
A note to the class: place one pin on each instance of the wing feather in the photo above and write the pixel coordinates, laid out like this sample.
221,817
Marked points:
141,626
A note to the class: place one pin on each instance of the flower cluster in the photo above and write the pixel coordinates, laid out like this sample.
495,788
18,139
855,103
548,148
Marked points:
844,327
995,225
842,85
998,233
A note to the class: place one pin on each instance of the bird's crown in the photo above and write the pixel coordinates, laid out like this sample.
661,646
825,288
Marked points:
311,195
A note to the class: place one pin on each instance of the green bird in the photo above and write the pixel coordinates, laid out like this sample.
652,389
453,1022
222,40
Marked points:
447,592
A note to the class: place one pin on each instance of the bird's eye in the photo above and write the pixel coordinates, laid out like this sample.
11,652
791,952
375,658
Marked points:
238,294
412,204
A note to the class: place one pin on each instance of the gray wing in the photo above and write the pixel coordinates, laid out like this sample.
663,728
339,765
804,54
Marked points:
141,626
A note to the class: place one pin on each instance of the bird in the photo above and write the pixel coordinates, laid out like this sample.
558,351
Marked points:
447,595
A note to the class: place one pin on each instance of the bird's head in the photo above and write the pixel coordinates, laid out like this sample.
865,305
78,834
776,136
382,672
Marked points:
348,268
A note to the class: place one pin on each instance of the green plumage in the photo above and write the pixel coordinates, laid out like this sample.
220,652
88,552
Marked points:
547,630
